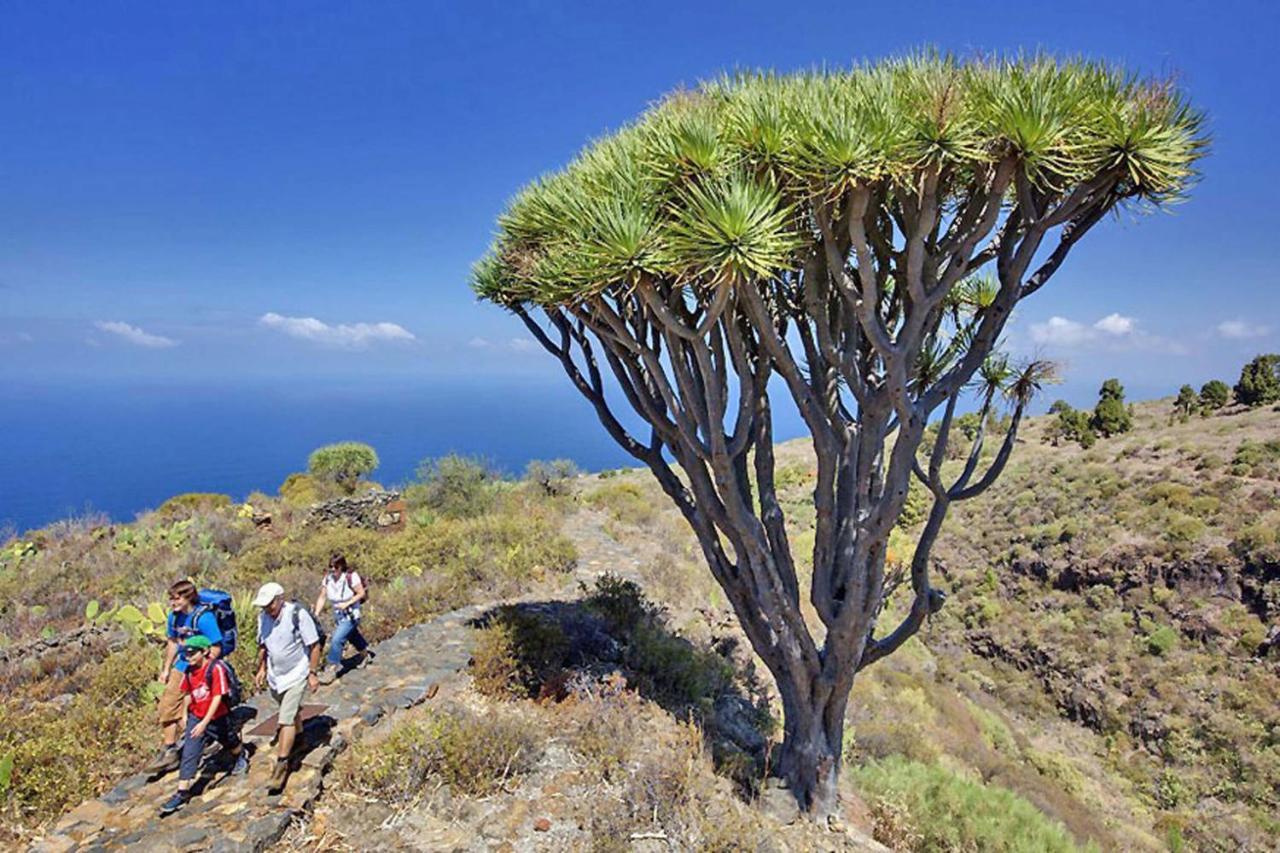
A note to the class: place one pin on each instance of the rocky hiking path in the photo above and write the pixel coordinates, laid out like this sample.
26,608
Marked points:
230,814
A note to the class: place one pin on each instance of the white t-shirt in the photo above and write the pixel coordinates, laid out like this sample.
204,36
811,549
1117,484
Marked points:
287,660
342,588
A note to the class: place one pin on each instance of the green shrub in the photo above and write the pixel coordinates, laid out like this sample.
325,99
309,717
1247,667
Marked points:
1110,417
500,553
516,653
475,754
625,501
454,486
1170,790
495,663
62,755
1251,456
1071,425
1205,506
1181,528
1162,640
793,476
555,478
1258,541
621,603
1188,402
300,489
919,502
1214,394
1259,381
192,502
941,810
671,669
343,463
1172,495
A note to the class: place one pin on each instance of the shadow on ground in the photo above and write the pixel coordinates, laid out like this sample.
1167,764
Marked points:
551,650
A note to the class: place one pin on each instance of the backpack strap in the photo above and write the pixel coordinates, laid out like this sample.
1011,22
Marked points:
298,610
208,673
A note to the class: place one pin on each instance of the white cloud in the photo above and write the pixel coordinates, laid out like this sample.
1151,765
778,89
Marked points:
478,343
346,335
1060,331
1115,324
522,345
1240,329
134,335
1112,332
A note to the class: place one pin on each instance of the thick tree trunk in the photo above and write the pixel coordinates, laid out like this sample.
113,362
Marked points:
813,741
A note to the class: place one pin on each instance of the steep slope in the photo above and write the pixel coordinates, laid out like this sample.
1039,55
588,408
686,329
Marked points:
1104,651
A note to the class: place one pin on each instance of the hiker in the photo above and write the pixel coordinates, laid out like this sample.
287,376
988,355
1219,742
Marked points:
344,589
207,687
185,622
288,659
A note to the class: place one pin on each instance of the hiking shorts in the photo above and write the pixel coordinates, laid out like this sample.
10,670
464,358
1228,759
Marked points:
290,701
170,710
220,730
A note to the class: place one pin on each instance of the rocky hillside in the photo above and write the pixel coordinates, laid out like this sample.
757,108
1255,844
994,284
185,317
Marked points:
1106,653
1104,674
1133,589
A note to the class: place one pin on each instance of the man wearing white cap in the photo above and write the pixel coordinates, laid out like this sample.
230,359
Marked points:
288,659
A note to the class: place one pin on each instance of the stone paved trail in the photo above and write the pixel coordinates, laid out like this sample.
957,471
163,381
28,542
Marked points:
599,552
229,814
236,814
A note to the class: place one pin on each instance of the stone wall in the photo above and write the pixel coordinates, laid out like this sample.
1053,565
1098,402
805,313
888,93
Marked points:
374,510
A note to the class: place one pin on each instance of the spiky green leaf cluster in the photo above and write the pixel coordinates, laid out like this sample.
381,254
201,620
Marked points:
718,184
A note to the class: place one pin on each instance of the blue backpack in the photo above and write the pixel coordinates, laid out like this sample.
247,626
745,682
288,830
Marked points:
218,603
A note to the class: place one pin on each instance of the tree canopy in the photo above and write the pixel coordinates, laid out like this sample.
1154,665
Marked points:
1188,401
343,463
716,184
1259,381
863,236
1214,394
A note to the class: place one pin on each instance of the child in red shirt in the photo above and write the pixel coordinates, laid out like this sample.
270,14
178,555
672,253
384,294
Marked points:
206,685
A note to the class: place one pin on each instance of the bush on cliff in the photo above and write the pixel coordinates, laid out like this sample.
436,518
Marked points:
927,807
454,486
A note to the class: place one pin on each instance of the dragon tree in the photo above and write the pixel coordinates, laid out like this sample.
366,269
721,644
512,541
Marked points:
856,240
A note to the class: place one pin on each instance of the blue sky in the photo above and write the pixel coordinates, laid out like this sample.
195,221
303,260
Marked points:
298,190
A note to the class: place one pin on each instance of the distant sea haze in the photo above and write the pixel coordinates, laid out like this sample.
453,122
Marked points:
119,448
123,448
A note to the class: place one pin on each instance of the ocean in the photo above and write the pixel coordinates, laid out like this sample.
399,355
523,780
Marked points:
119,448
122,448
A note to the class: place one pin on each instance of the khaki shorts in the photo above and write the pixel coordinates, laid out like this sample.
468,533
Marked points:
290,701
170,710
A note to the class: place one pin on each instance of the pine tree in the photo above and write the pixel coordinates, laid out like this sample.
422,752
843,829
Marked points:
1259,381
1214,394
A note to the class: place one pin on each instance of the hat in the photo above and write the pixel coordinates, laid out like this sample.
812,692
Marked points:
198,643
267,594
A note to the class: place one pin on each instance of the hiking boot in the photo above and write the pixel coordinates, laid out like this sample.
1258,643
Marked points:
366,658
177,801
241,767
279,773
168,759
326,675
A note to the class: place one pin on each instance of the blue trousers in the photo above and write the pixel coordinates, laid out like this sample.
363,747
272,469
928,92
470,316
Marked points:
346,629
192,747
